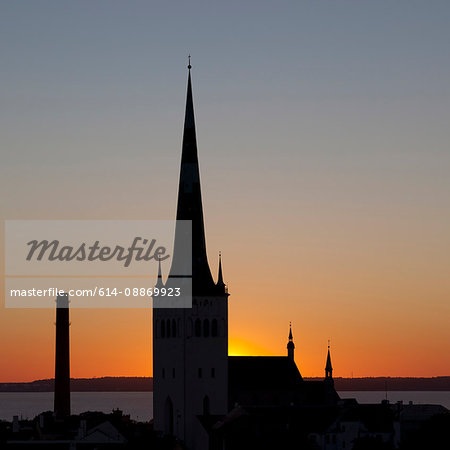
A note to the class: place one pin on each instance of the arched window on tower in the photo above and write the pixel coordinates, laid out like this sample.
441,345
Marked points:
206,328
163,328
168,328
214,328
198,327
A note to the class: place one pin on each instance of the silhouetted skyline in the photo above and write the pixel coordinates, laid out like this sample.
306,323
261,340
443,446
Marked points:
197,386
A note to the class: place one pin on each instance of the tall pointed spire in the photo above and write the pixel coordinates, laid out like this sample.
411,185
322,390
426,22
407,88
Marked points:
190,202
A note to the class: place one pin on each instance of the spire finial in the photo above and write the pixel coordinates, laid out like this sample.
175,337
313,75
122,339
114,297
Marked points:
189,62
328,344
290,331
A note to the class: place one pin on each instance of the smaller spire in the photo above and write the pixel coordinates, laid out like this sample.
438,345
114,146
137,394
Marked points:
290,345
328,366
219,276
189,62
159,283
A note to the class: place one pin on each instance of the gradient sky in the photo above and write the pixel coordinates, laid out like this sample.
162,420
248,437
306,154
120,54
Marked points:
323,132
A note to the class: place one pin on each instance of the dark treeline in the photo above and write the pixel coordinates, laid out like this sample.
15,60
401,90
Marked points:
145,384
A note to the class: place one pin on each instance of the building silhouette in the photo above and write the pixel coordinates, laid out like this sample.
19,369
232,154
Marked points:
196,384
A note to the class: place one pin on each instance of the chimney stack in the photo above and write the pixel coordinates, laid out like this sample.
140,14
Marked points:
62,358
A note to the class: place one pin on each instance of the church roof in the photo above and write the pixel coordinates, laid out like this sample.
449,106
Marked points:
272,374
263,372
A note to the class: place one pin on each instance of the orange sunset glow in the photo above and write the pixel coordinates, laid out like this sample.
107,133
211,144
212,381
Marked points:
367,334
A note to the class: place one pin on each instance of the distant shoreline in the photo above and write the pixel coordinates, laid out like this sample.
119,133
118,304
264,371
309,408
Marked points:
391,383
145,384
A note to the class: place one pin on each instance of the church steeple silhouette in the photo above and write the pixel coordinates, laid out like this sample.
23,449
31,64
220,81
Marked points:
190,207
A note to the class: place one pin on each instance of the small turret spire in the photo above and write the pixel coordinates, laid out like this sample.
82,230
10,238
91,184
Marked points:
219,276
328,366
159,282
290,345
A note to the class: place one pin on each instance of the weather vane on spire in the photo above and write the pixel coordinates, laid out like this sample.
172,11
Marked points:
189,62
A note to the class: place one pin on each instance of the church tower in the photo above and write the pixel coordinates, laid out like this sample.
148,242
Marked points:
190,345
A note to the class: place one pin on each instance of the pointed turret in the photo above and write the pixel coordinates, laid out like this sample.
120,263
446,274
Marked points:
220,284
328,366
290,345
190,206
159,282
